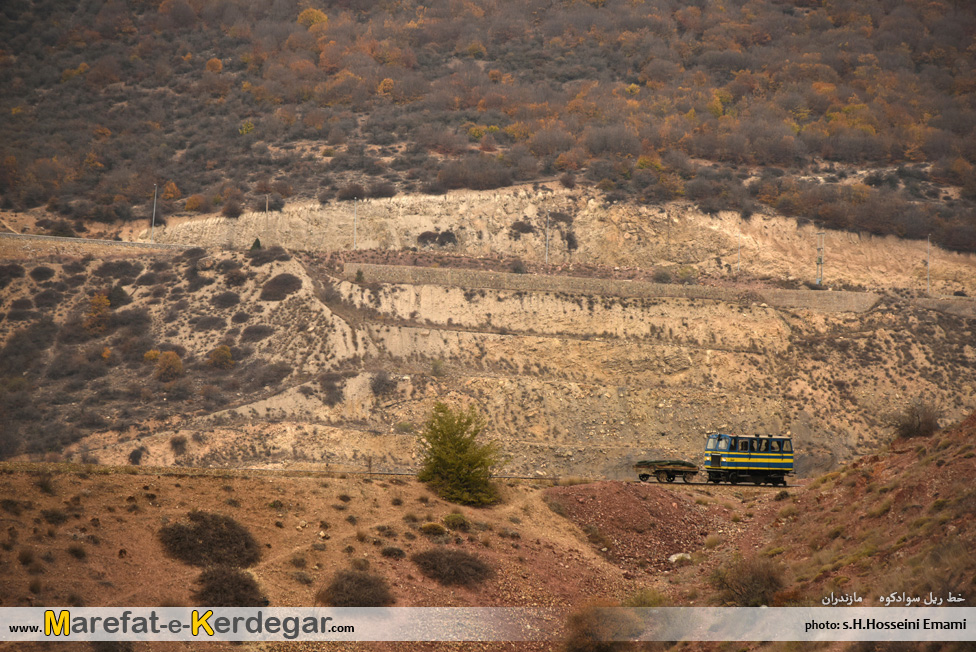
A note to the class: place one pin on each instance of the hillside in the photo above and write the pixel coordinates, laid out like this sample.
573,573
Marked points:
855,114
269,359
901,520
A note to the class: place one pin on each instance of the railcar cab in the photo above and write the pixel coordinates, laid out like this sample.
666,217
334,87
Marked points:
748,458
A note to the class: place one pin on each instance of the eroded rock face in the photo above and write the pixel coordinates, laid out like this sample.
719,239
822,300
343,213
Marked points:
675,235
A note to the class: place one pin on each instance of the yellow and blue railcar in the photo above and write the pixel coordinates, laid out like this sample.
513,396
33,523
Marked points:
748,458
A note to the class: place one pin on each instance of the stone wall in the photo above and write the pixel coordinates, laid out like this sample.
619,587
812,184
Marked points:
824,301
16,245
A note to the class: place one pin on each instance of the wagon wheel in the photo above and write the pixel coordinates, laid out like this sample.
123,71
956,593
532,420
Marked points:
644,477
662,476
687,477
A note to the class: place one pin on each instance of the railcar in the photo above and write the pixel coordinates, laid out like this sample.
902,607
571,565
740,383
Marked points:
748,458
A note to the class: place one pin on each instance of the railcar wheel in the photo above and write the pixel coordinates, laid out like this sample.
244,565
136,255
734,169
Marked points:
733,478
757,481
687,477
662,476
644,477
670,477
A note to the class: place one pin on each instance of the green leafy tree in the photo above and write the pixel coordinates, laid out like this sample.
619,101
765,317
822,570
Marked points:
456,465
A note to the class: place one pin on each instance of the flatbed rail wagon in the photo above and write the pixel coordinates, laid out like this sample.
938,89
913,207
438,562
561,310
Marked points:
665,470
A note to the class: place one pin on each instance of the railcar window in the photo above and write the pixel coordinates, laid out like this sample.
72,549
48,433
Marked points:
723,444
774,446
710,444
744,445
764,446
787,447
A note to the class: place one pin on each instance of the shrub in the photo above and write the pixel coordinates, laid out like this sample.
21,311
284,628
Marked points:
351,191
259,257
455,464
232,209
382,189
920,419
168,366
748,582
457,522
209,323
221,358
77,551
255,332
433,529
178,444
9,272
271,202
332,388
381,383
196,203
210,540
392,552
225,299
223,586
280,287
354,588
601,628
135,456
452,567
41,273
54,516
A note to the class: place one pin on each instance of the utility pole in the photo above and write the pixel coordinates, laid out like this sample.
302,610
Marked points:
265,202
547,239
820,256
152,229
355,214
928,267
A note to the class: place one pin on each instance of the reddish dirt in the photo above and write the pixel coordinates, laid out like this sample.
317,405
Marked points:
639,525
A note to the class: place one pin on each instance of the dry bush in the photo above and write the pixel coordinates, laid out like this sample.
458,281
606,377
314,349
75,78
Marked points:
750,582
354,588
259,257
178,444
210,540
920,419
209,323
256,332
9,272
221,357
332,385
225,586
599,628
280,287
452,567
41,273
225,299
168,366
381,383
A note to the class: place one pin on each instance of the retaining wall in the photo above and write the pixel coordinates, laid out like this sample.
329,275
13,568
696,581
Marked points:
824,301
18,245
